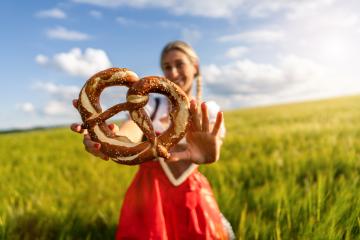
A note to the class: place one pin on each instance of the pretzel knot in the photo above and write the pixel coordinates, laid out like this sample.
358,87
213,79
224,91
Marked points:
119,148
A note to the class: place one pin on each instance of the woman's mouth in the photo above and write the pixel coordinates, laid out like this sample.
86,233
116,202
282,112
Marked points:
179,82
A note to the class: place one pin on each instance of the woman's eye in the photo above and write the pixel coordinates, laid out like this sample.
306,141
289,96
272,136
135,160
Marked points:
179,65
167,68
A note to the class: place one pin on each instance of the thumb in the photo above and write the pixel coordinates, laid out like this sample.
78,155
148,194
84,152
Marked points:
75,103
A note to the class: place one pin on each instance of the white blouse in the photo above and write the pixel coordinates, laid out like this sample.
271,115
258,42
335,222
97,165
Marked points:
163,111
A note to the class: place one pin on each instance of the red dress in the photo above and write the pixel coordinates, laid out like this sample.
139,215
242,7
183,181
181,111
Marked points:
159,206
154,208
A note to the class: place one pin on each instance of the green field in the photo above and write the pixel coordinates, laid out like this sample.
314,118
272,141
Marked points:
286,172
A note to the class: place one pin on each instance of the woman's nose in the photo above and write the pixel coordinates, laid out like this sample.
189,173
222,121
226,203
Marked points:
174,73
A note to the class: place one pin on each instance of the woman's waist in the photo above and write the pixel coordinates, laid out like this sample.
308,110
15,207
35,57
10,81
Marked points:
153,164
176,168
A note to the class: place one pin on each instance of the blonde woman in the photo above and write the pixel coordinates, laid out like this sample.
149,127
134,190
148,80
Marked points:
171,199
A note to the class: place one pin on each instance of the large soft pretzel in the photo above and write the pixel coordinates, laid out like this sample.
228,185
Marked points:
120,148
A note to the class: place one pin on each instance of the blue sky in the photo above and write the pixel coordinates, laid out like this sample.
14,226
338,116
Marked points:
252,53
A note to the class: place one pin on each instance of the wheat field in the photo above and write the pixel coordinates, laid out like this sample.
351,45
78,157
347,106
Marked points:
286,172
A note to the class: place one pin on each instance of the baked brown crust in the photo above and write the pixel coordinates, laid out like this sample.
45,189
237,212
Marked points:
119,148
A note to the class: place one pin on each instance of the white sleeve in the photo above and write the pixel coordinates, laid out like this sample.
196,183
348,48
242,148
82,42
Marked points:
213,109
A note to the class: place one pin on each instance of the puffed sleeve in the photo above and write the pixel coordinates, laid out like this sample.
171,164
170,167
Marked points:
213,109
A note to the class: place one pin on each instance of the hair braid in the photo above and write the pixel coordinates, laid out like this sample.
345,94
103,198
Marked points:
198,88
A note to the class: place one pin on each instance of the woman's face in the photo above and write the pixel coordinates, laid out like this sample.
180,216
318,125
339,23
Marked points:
178,68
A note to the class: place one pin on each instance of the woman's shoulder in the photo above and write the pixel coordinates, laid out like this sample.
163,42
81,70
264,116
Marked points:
213,109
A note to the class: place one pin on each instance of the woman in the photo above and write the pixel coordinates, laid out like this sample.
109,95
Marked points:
171,199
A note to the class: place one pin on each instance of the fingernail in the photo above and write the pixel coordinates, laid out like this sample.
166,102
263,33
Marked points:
111,126
203,105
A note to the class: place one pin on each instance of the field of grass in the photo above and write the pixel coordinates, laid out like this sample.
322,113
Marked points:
286,172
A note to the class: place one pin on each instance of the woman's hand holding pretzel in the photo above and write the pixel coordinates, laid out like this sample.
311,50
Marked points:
91,146
203,143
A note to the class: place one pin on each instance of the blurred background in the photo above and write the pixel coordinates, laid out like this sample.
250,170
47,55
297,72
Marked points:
252,52
286,74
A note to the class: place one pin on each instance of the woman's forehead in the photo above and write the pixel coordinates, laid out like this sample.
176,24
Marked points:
175,55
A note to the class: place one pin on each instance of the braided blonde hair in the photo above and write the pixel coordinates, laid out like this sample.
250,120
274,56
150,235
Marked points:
193,57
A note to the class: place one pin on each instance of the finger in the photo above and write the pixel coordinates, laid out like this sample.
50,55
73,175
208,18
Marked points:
78,128
205,118
94,148
217,125
195,121
179,156
87,141
90,144
75,127
75,103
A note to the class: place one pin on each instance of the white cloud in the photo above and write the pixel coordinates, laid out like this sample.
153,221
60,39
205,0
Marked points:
58,91
323,33
291,77
263,8
63,33
41,59
26,107
58,108
236,52
134,3
96,14
261,35
220,9
60,98
76,63
82,64
51,13
298,9
208,8
328,36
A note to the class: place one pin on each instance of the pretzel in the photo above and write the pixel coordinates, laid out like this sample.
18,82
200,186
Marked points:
119,148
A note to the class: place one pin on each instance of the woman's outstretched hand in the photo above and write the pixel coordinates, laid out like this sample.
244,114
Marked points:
203,143
91,146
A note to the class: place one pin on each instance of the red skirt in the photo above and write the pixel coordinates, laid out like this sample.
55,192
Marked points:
153,208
